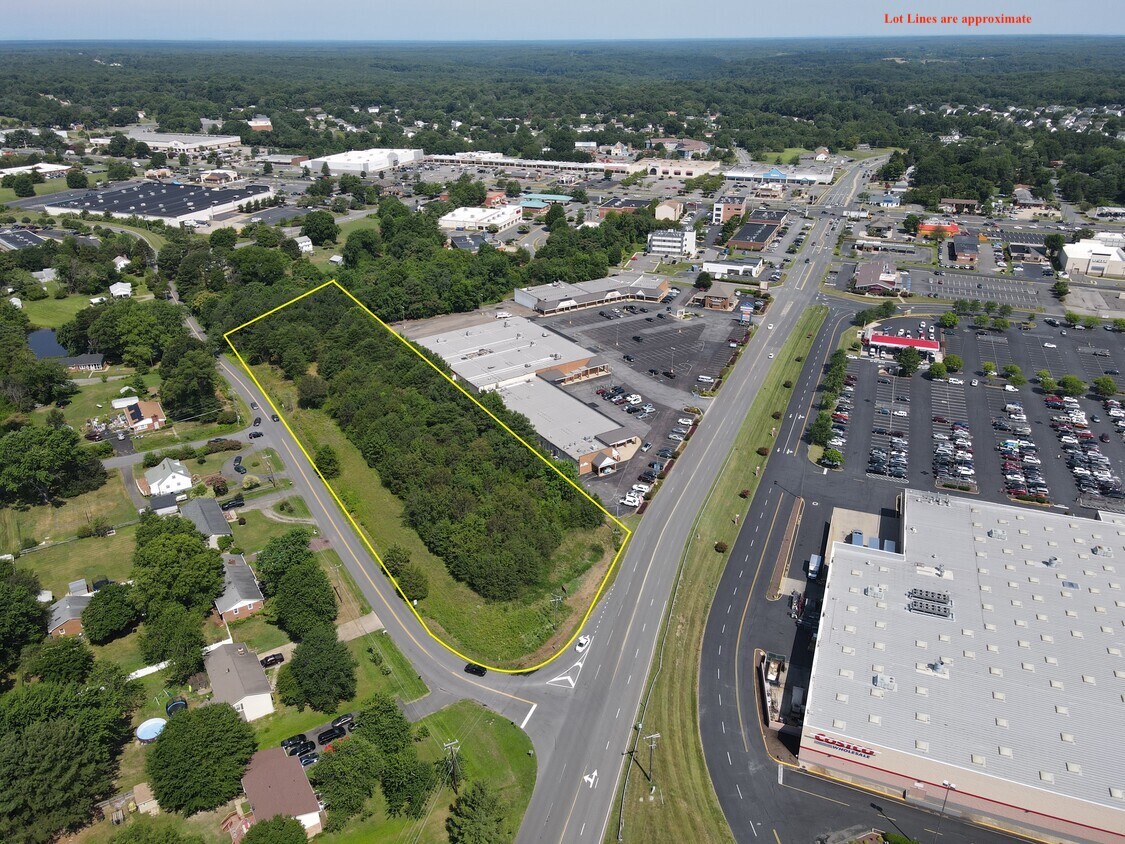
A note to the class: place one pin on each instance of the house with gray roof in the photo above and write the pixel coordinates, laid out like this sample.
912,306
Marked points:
208,518
238,678
66,615
241,596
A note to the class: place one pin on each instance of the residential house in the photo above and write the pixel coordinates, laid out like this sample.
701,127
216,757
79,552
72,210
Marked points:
66,615
145,416
237,678
821,154
241,596
83,363
120,263
276,784
208,518
164,505
304,244
121,289
167,476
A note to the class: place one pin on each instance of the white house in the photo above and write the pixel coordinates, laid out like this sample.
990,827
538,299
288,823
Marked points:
167,476
121,290
237,678
121,262
303,244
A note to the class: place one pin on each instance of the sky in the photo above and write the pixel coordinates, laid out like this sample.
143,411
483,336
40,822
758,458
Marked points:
538,20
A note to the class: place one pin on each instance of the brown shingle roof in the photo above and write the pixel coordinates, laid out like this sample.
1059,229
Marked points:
275,784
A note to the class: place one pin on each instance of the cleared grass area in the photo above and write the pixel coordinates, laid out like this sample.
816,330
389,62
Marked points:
83,405
60,521
45,188
689,810
258,530
493,749
506,634
401,681
78,559
258,634
294,506
52,312
350,600
321,254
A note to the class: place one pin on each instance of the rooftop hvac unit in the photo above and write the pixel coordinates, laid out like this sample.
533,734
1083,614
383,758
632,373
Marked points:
884,681
1051,562
930,595
1102,551
996,533
877,592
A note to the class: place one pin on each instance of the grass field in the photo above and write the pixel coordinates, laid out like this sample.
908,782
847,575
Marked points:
258,530
60,564
689,810
402,682
83,405
494,633
52,312
492,749
47,188
59,522
293,506
321,254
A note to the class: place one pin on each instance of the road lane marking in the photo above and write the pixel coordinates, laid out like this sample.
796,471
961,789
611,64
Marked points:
527,717
740,797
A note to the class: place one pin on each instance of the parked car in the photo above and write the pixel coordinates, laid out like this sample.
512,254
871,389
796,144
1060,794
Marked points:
271,660
330,735
293,741
300,748
257,421
255,434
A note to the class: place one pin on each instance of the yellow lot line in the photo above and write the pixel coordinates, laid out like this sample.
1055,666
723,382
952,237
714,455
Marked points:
362,534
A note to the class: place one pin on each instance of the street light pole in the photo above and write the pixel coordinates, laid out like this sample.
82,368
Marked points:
941,815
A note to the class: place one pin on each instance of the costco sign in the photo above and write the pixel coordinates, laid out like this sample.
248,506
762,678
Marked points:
846,746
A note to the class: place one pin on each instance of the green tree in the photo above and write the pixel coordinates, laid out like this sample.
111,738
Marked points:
277,830
281,553
77,180
382,723
938,370
1000,324
174,634
820,432
197,762
327,461
909,360
1048,384
554,217
981,321
990,307
1014,375
948,320
312,390
413,582
304,601
1061,289
911,223
23,619
362,245
111,614
1104,386
1119,324
224,238
1072,318
954,363
1091,322
407,782
477,817
23,186
395,559
61,660
1072,385
703,281
832,455
324,669
320,227
346,779
178,568
1005,310
38,463
1054,244
189,382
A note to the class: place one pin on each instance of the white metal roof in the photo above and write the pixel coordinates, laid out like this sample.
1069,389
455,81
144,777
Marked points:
1025,678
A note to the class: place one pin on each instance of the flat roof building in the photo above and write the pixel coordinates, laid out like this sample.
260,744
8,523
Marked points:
768,215
786,175
557,296
877,277
525,363
978,667
171,203
471,218
13,239
734,267
676,242
359,161
726,207
621,205
753,236
1092,257
177,142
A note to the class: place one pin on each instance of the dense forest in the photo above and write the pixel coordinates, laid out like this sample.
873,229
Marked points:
490,508
763,95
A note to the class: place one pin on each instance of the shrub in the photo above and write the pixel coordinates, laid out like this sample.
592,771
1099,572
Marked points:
721,547
85,532
744,493
787,384
776,414
763,451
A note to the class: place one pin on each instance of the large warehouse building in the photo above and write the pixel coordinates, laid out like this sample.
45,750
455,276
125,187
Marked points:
177,142
979,670
172,203
525,363
360,161
558,296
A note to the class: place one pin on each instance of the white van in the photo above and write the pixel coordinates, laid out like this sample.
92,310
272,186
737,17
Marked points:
705,379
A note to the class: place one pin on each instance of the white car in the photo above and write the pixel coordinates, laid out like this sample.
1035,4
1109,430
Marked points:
771,355
956,381
582,643
630,500
1008,388
683,420
900,413
974,383
642,488
1049,346
770,326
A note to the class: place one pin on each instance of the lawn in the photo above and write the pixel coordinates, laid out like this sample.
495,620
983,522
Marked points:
400,680
689,810
60,564
52,312
83,405
258,633
46,188
350,600
492,749
516,633
294,506
321,254
59,522
258,530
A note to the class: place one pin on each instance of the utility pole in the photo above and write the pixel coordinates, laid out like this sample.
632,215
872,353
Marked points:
652,740
555,601
451,747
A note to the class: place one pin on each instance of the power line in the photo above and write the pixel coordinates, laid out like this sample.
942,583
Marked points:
652,740
453,765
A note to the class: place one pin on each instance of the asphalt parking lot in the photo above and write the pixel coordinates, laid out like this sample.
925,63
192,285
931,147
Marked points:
957,285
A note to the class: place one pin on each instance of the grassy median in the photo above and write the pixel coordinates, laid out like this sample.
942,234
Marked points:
686,808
